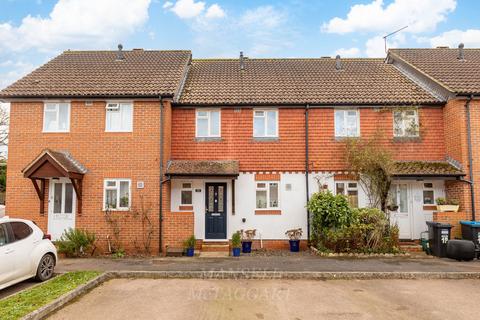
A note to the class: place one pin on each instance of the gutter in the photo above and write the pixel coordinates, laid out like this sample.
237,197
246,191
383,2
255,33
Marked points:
470,157
307,186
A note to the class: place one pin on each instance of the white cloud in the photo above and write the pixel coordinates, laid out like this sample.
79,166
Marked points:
375,46
348,53
187,9
470,37
215,11
167,5
265,16
420,16
16,70
82,23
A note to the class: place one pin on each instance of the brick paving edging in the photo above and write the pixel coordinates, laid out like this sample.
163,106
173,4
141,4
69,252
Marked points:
59,303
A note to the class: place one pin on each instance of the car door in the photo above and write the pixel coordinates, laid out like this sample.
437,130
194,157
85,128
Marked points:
22,246
7,263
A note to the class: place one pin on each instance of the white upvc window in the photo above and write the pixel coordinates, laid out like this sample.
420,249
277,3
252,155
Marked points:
428,194
265,123
186,194
349,189
405,123
117,195
267,195
347,123
208,123
56,117
119,117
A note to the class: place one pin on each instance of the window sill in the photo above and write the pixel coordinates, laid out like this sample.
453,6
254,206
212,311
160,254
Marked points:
109,131
115,210
267,212
208,139
266,139
186,208
342,138
407,139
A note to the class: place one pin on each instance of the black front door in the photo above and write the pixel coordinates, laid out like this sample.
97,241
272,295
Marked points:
216,211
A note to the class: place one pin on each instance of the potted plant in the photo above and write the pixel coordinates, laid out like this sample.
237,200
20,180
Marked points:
236,244
189,245
294,236
247,237
447,205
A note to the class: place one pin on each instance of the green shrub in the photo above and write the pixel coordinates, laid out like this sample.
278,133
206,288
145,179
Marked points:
236,240
76,242
328,212
190,242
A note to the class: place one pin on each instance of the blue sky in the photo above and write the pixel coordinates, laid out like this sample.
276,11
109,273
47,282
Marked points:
34,31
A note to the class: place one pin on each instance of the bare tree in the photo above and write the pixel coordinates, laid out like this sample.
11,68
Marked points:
4,122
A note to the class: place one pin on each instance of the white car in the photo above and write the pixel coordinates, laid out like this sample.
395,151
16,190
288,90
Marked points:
25,252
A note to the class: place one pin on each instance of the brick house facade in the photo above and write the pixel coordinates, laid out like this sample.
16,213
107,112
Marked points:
234,177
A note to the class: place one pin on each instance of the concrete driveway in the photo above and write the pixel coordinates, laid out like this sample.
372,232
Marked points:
276,299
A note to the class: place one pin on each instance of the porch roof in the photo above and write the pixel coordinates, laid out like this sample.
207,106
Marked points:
426,169
202,168
54,164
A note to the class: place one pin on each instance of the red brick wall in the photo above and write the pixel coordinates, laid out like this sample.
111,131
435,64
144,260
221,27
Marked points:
454,219
288,153
133,155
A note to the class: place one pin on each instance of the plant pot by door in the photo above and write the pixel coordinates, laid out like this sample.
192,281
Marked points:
294,245
236,252
247,246
190,252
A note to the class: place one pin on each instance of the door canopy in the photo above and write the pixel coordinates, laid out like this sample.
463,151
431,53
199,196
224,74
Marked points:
55,164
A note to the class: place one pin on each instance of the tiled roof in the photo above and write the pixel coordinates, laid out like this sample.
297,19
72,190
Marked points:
100,74
203,167
299,81
443,65
62,158
426,168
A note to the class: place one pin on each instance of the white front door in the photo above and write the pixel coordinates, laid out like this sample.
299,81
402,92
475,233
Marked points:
61,208
403,215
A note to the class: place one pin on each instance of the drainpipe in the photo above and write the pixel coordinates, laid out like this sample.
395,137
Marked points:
470,160
306,170
160,206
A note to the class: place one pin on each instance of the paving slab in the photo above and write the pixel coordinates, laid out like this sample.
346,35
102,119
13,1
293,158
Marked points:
275,299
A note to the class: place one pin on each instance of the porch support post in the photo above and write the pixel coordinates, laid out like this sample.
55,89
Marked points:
233,196
40,192
77,185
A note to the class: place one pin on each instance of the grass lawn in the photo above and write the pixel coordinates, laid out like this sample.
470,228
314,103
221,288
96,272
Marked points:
23,303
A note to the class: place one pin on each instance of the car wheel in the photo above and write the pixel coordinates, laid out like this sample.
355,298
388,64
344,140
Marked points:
45,267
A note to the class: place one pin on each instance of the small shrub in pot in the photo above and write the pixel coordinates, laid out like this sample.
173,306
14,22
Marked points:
236,244
189,246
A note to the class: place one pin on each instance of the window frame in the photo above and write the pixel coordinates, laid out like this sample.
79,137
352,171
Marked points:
120,103
267,189
209,123
265,123
403,127
57,111
117,188
347,188
432,189
344,121
186,189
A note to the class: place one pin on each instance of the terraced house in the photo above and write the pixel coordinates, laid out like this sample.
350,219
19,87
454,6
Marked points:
211,146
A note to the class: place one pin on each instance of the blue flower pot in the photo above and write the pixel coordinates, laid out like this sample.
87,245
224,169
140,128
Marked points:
247,246
294,245
236,252
190,252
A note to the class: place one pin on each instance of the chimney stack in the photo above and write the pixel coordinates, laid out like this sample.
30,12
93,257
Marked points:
338,62
461,52
242,62
120,55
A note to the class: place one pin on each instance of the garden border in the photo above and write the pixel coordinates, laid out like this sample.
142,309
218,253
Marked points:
60,302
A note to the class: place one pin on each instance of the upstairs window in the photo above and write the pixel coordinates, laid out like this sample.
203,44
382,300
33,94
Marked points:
119,117
265,123
405,123
56,117
117,194
347,123
208,123
267,195
349,189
